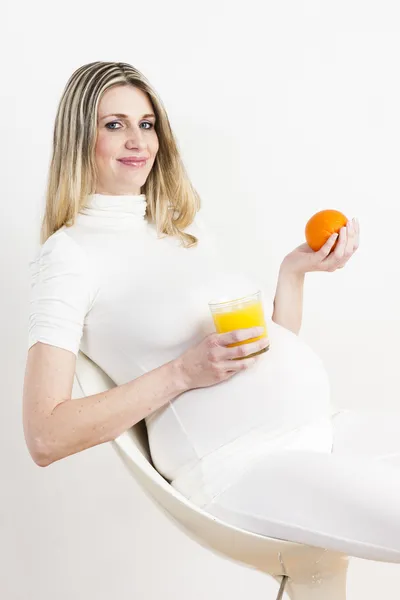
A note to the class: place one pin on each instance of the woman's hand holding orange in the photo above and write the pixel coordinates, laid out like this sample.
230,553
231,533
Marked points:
303,259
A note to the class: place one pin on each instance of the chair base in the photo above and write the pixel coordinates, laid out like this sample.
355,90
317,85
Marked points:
327,586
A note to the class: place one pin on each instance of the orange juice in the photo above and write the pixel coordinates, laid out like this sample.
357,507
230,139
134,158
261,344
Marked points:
240,314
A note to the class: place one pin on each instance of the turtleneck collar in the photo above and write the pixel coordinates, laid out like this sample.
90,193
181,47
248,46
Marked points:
111,209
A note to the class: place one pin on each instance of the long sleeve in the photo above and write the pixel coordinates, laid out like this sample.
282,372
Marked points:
61,293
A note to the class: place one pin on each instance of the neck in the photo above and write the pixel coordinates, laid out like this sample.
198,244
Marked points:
122,210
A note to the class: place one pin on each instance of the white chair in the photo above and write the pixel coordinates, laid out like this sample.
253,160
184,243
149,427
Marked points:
303,572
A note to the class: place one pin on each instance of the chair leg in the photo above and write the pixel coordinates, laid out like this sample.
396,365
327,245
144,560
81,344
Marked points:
282,587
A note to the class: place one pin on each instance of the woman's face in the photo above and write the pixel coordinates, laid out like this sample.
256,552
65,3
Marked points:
129,136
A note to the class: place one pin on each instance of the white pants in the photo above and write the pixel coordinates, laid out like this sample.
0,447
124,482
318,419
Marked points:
347,500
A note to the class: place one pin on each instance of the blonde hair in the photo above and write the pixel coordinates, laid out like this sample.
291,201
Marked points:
172,201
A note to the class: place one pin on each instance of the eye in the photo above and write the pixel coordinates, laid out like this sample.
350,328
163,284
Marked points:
119,123
112,123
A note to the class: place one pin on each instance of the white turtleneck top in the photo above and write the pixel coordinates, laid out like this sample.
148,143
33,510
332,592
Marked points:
131,301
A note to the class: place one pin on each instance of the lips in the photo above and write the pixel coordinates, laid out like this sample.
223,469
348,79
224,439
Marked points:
133,161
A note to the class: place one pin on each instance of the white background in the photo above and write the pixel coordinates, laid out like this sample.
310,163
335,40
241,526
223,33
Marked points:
280,109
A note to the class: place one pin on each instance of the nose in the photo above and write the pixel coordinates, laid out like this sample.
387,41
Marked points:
135,139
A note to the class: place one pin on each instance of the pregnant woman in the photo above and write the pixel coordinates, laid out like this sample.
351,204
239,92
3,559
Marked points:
125,272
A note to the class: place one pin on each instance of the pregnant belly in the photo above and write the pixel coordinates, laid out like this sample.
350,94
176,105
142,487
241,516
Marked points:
288,387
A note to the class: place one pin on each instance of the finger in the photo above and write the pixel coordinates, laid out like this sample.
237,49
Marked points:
335,258
239,352
351,245
239,335
340,246
351,232
327,247
357,236
232,366
348,251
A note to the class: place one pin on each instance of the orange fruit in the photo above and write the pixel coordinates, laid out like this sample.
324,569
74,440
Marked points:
321,226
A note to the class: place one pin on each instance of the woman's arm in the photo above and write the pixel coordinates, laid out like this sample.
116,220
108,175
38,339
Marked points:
288,302
57,426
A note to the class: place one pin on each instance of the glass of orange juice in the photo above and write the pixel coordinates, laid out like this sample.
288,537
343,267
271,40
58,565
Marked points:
239,314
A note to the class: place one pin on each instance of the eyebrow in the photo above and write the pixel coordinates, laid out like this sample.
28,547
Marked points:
122,116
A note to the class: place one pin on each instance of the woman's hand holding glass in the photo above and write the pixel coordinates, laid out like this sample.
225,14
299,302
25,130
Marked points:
212,361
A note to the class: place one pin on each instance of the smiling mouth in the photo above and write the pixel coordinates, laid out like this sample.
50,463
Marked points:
134,163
